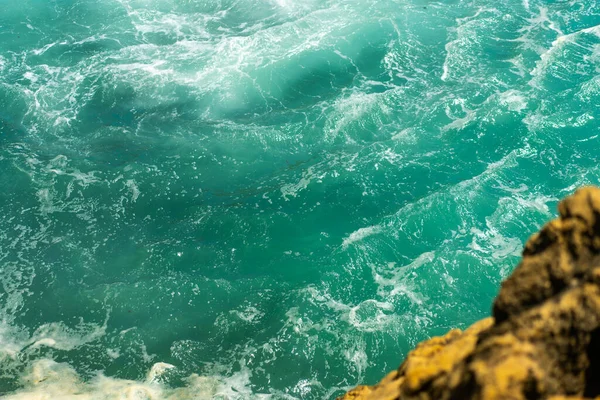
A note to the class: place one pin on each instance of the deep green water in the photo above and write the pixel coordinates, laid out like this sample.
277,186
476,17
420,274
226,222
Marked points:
282,197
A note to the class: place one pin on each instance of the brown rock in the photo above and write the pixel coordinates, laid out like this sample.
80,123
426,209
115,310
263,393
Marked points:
543,341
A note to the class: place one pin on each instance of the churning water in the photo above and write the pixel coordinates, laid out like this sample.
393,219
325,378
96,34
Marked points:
272,198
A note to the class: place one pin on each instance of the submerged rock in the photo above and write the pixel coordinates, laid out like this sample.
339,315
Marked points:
544,338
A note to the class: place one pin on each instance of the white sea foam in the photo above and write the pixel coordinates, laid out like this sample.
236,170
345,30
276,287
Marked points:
292,189
360,234
555,49
152,69
48,380
491,241
464,37
590,89
248,314
394,281
514,100
42,50
460,123
54,335
445,67
494,243
11,341
405,135
356,355
349,109
370,315
133,188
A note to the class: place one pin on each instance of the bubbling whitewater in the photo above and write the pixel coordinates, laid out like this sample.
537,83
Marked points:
272,199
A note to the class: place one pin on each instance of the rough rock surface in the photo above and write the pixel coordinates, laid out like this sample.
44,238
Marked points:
544,338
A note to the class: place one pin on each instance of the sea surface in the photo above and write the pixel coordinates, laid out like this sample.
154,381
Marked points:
273,199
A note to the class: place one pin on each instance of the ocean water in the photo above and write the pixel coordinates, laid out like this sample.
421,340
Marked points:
272,199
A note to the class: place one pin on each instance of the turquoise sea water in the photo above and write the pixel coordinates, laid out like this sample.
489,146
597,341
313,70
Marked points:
272,198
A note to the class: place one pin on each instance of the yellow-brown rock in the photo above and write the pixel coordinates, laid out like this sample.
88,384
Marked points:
543,341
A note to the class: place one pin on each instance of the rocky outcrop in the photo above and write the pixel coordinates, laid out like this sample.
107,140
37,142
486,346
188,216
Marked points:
544,338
